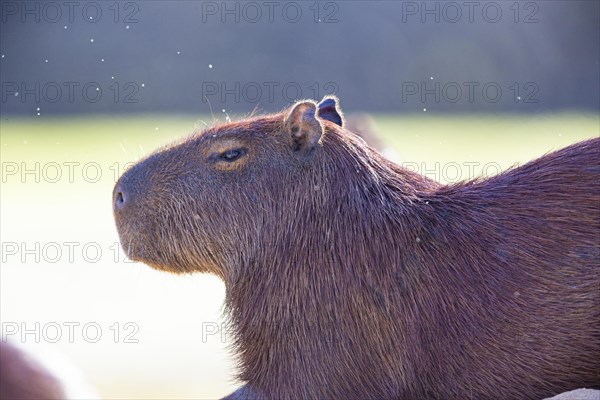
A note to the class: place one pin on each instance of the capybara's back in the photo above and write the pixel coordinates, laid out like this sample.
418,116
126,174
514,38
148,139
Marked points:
518,264
350,277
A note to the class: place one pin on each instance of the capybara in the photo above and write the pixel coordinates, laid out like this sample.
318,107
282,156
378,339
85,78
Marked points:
349,277
22,377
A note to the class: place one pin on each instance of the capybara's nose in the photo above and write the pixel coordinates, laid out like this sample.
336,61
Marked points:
131,186
120,197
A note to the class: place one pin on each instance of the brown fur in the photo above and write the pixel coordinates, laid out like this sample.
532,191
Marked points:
23,378
349,277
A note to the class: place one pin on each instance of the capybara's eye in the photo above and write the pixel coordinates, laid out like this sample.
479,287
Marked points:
232,154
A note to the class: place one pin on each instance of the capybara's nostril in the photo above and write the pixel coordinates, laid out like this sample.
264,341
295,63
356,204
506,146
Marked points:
120,198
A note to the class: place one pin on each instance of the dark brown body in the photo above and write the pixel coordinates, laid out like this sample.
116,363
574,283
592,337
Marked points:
349,277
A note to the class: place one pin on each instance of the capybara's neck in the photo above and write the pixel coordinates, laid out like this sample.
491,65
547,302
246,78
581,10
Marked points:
331,277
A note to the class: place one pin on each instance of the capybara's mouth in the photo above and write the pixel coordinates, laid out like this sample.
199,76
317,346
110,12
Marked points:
130,246
131,224
140,245
134,242
136,252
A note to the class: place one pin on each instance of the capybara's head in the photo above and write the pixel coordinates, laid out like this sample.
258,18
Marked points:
211,201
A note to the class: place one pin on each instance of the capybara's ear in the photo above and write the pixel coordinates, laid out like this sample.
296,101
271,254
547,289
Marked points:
330,110
303,126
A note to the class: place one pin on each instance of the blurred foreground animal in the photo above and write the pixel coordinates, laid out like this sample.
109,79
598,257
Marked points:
28,376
